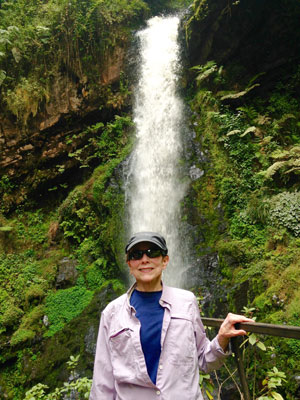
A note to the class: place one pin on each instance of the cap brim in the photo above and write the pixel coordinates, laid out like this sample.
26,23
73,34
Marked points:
150,237
131,245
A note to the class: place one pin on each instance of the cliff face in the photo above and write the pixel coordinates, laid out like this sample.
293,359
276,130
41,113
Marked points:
36,157
244,206
60,68
257,36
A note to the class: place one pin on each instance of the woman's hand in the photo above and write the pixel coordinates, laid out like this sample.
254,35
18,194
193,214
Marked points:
227,329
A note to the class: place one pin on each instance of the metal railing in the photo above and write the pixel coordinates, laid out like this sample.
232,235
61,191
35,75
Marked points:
286,331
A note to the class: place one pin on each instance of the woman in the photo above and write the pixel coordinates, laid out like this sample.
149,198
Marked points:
151,340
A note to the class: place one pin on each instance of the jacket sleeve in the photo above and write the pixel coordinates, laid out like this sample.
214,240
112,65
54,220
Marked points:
103,386
210,354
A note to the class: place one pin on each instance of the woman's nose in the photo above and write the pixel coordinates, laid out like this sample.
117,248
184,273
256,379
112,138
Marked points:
145,258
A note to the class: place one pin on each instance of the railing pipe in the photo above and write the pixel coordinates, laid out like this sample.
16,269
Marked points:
286,331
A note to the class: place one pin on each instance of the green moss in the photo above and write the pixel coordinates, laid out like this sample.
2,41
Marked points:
33,319
11,317
29,324
117,286
94,276
34,292
293,309
64,305
21,336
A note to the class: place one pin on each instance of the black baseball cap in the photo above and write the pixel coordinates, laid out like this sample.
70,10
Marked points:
152,237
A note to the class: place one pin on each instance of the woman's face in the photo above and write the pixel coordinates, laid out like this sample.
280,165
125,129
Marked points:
147,271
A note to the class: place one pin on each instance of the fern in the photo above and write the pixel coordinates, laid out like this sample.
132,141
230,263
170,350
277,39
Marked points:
287,162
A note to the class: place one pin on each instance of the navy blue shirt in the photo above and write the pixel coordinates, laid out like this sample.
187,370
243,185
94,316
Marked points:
150,313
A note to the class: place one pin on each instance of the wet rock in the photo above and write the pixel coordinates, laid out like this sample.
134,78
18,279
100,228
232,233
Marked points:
195,173
204,278
67,273
74,395
46,320
90,341
297,393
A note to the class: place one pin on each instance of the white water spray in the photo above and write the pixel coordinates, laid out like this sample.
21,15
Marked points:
154,190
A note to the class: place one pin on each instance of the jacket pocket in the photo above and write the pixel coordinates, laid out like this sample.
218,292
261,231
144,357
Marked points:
122,354
181,344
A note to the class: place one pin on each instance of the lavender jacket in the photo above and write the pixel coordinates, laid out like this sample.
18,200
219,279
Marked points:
120,371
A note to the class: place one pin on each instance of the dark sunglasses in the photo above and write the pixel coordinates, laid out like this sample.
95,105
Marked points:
138,254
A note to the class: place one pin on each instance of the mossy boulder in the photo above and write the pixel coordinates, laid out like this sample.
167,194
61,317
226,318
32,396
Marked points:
77,337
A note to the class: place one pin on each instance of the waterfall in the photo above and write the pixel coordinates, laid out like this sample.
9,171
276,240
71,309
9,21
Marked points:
154,188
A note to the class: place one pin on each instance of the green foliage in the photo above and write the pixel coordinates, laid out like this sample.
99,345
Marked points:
258,208
282,103
22,335
34,317
11,316
2,74
18,273
35,292
273,380
73,362
255,341
82,215
285,211
207,72
36,393
81,387
29,327
31,227
77,217
50,37
5,184
242,227
94,274
105,141
64,305
113,138
288,162
206,385
232,194
25,98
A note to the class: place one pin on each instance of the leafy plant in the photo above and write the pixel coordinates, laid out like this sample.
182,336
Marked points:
25,98
285,211
36,393
49,37
287,162
64,305
206,384
22,335
73,362
80,387
272,381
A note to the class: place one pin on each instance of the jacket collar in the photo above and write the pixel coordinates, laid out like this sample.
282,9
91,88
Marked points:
166,296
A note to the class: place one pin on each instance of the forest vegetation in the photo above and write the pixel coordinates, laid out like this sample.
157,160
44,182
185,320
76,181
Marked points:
66,129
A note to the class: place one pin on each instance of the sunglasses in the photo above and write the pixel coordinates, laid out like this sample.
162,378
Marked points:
138,254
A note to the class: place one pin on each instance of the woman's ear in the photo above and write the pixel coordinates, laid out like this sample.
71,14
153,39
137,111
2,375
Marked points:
128,263
165,261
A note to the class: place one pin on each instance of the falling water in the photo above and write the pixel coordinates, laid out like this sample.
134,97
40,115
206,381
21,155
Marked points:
154,189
